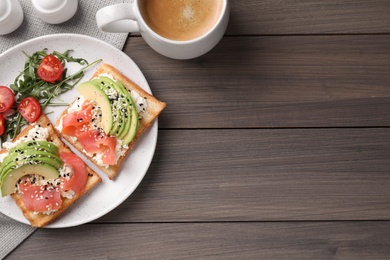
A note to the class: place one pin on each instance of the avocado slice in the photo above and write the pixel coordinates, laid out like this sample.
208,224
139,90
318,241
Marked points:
11,168
122,114
91,91
133,127
37,145
127,110
30,147
14,161
123,107
122,118
130,126
133,120
10,180
118,117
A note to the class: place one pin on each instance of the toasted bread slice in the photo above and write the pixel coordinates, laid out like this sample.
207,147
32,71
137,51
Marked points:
41,219
154,108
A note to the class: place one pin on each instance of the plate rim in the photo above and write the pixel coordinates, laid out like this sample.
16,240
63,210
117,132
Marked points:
154,126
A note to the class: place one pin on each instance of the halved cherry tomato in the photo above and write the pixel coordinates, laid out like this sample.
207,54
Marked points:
7,98
30,109
50,69
2,124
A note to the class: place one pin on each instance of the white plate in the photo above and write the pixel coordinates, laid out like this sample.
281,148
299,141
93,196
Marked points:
109,194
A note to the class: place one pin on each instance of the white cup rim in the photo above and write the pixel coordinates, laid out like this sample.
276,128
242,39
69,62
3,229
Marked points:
176,42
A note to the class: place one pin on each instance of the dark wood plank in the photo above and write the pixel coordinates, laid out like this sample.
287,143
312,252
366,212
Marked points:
327,240
275,145
248,82
261,175
269,17
309,17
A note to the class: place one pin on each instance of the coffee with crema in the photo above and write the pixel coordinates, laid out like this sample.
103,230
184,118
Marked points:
181,20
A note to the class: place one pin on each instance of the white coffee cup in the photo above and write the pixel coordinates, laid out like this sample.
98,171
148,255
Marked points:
127,17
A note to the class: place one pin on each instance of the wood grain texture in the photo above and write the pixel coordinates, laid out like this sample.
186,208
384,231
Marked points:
274,145
264,175
278,17
283,240
253,17
268,82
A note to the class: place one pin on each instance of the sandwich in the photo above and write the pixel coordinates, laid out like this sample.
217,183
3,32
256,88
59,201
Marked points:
42,174
110,115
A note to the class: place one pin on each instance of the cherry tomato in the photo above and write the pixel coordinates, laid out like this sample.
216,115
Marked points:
50,69
7,98
30,109
2,124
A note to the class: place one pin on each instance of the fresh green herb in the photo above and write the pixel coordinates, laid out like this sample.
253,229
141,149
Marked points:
29,84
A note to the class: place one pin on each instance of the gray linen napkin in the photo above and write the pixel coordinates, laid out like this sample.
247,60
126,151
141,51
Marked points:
83,22
12,234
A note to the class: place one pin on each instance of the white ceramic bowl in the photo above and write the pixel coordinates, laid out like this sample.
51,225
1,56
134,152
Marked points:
11,16
55,11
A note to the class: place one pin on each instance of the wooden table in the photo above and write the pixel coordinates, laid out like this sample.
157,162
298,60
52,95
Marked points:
276,144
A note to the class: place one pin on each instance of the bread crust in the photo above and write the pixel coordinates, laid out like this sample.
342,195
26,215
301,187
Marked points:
154,108
41,219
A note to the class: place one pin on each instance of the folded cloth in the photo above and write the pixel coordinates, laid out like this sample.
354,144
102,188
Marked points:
83,22
12,234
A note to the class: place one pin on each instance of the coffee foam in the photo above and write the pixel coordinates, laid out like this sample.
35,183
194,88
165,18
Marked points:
181,19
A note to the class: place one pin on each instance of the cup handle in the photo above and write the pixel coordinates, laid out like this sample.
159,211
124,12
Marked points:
118,18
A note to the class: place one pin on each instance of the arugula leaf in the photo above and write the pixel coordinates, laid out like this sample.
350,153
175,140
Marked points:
29,84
